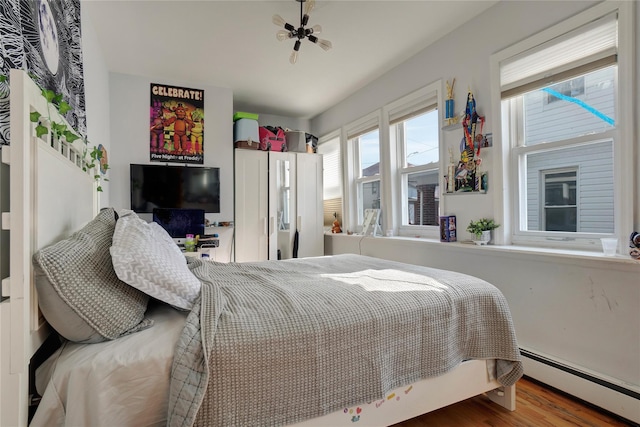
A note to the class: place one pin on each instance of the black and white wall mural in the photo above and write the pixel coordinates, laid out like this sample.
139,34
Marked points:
43,38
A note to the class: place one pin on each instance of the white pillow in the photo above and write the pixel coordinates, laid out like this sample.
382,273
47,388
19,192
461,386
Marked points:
145,257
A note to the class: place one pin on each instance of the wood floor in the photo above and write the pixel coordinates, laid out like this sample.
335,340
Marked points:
536,406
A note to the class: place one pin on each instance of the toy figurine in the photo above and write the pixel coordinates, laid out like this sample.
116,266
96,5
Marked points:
634,245
336,224
450,117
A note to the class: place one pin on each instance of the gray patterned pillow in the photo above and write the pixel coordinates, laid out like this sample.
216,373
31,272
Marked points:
145,256
79,292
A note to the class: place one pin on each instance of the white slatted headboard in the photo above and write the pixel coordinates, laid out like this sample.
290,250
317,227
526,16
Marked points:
50,197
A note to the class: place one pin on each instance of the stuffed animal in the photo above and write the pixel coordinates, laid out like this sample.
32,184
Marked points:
634,245
336,227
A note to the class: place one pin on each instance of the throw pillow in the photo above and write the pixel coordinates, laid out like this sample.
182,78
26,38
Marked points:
79,292
146,257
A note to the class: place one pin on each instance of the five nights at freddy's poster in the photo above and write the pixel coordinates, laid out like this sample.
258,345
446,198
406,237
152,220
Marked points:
176,130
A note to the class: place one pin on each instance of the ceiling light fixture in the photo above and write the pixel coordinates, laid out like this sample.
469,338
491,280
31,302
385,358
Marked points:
300,33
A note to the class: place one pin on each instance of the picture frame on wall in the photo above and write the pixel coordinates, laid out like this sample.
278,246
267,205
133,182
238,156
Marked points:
176,124
370,225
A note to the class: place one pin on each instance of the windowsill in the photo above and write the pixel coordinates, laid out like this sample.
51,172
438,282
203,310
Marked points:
468,245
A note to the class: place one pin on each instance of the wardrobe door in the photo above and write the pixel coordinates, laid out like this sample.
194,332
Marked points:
282,204
251,205
309,208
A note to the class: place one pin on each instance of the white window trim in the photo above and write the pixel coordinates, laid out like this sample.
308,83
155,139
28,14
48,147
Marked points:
337,134
623,152
351,172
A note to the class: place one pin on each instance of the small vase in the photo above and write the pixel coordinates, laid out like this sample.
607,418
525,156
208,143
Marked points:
484,238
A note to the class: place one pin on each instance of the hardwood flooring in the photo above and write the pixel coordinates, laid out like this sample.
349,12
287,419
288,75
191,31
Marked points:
536,406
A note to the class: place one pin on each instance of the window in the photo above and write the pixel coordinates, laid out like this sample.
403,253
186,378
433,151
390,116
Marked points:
560,91
414,133
419,172
332,180
392,159
363,142
559,203
560,104
368,183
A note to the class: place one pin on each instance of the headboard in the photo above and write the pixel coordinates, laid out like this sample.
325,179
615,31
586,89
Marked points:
50,197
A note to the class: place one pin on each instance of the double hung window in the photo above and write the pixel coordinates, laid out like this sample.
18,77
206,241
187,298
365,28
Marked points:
364,142
329,148
414,127
560,108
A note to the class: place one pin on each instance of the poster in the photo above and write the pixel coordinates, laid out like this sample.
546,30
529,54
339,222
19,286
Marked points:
176,130
43,38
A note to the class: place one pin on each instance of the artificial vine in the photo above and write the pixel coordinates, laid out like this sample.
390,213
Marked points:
61,130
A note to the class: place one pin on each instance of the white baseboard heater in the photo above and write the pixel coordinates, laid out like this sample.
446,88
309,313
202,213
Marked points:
607,393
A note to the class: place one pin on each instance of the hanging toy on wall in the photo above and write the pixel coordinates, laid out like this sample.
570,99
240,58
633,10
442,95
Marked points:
467,176
634,245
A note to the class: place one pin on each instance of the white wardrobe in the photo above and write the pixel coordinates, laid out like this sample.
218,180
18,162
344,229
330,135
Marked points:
278,205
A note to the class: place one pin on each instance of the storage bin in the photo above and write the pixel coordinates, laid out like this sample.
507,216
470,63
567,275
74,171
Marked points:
272,139
296,141
301,142
247,145
246,130
242,115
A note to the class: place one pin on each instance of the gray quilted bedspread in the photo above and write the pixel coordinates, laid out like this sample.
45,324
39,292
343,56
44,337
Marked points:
279,342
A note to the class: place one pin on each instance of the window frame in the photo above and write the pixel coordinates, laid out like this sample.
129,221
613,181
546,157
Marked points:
510,159
331,139
352,199
423,100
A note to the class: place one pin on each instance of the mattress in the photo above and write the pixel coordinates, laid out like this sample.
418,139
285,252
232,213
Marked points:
142,361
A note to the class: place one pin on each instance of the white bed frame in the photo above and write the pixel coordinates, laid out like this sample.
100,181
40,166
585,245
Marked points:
51,197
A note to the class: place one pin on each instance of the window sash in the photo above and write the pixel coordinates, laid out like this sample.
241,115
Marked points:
422,207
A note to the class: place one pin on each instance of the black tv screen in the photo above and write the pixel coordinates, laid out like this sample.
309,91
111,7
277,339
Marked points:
174,187
180,222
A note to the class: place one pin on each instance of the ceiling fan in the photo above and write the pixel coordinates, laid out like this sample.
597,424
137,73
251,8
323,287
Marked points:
300,33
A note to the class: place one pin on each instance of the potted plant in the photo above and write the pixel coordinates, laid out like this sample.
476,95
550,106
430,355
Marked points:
482,230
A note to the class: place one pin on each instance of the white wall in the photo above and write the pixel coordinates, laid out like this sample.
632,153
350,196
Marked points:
579,309
96,86
284,122
129,100
637,105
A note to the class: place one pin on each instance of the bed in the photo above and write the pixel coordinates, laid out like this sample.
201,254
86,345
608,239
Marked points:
318,341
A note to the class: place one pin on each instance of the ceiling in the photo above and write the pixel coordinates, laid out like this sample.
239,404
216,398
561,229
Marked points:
233,44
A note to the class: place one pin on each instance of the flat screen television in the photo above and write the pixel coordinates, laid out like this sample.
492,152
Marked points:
174,187
180,222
